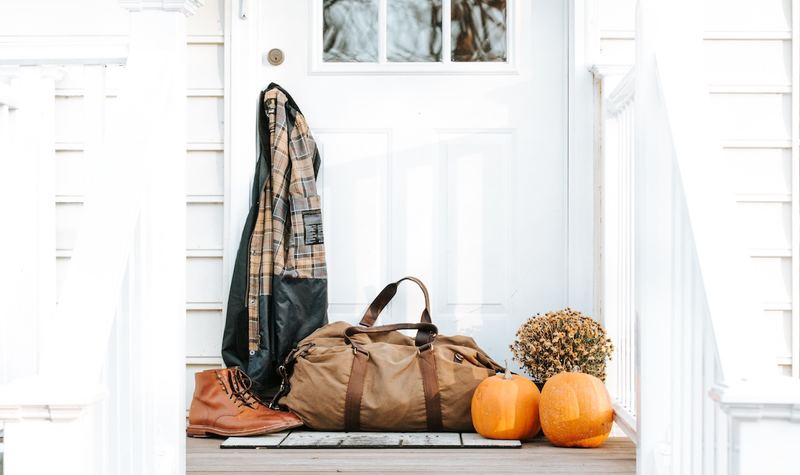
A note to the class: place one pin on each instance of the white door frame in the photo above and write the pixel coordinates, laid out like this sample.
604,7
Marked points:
582,261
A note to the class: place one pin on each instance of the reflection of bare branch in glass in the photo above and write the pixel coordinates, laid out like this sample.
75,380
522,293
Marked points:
478,30
350,31
414,30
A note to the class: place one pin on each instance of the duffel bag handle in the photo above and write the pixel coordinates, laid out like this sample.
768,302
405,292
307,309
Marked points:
386,295
426,332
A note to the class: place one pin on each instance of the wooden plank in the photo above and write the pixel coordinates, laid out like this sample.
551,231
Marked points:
617,455
471,439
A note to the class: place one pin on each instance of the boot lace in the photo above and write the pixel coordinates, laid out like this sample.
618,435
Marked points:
241,388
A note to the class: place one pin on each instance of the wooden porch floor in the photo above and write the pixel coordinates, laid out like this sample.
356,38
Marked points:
618,455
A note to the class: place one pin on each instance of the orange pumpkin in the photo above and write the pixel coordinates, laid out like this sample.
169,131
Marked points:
575,410
506,407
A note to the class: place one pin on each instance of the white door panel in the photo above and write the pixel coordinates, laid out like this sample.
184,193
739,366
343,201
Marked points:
453,171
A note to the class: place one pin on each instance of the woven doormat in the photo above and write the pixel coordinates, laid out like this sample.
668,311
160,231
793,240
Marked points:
367,440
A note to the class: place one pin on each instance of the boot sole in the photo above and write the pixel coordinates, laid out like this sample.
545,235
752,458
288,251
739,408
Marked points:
206,431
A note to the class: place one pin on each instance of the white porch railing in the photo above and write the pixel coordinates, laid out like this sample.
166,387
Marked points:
616,241
677,296
98,382
651,271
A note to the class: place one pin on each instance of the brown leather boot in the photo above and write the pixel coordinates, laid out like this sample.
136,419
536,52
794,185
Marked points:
223,404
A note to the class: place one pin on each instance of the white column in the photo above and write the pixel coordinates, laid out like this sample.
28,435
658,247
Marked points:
159,30
653,182
28,288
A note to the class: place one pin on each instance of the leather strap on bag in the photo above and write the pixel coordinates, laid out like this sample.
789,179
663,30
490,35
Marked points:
386,295
430,386
355,390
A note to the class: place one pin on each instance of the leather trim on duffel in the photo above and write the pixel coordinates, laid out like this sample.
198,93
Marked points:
430,385
355,390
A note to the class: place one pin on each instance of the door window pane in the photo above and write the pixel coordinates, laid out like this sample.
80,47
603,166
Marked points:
350,31
478,30
414,30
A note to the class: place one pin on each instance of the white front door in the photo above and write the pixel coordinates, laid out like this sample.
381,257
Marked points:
442,127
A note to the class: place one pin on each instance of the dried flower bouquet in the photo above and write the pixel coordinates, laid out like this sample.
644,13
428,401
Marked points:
565,340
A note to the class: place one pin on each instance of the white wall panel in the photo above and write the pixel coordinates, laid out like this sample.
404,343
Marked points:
760,170
209,19
204,280
205,66
747,15
748,62
203,333
753,116
62,269
769,225
68,218
355,197
70,119
205,170
205,119
780,321
204,173
204,226
617,15
773,280
70,173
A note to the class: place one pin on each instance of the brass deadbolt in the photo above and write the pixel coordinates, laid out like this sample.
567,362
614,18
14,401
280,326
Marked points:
275,56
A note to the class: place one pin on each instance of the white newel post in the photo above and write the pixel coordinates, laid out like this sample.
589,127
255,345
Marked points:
28,289
159,27
763,427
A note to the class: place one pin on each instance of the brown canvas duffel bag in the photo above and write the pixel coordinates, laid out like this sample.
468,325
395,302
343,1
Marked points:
374,378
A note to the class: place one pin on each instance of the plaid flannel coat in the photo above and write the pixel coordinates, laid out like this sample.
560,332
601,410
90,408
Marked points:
278,292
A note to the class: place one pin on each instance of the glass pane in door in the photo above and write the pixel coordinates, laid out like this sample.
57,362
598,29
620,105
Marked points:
414,30
478,30
350,31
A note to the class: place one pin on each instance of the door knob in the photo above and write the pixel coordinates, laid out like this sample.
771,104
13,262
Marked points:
275,56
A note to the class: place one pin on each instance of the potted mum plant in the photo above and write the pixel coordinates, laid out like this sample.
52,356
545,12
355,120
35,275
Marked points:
564,340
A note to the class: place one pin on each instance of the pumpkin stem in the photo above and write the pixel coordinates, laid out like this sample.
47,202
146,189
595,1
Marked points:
508,371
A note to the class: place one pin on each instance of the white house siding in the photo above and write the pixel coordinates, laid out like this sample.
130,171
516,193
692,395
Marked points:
754,84
205,171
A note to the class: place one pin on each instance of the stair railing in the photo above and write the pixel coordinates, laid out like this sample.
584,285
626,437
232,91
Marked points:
676,272
616,238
